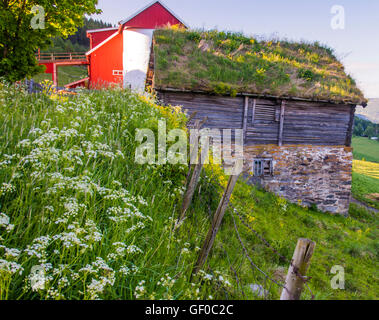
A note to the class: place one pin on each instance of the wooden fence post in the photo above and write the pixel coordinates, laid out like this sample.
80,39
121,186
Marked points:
245,113
55,75
281,124
217,219
191,187
195,169
296,272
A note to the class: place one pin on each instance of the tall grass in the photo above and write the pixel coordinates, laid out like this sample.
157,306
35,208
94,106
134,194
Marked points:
81,220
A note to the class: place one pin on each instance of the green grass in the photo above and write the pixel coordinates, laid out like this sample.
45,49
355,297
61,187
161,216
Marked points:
75,204
228,63
362,186
66,75
364,148
351,243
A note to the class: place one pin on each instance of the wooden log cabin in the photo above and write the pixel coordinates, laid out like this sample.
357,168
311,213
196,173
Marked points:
294,102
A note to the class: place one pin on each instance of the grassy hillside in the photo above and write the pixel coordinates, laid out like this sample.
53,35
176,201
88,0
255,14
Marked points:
366,173
80,219
364,148
366,189
66,75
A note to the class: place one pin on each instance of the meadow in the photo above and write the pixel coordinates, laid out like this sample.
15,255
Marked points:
365,149
80,219
66,75
365,186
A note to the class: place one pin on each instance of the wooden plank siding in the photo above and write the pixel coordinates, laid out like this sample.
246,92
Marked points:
269,121
222,112
316,123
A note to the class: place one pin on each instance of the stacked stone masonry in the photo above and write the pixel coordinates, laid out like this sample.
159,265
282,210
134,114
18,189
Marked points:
319,175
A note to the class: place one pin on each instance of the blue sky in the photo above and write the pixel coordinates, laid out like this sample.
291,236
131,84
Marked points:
357,45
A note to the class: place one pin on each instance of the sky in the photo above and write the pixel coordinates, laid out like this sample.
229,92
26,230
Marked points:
356,43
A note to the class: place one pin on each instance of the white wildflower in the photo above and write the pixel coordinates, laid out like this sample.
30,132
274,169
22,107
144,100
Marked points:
10,266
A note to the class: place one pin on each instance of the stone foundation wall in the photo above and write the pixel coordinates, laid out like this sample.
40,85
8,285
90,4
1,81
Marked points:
319,175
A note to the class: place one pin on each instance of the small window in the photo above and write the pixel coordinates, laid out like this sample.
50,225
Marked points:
117,72
265,113
262,167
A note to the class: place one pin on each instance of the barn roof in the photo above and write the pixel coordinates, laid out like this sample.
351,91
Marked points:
228,63
157,4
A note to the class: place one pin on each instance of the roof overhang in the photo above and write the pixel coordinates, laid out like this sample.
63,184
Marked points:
102,30
263,96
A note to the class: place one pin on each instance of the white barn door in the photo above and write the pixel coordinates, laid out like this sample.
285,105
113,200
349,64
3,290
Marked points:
136,56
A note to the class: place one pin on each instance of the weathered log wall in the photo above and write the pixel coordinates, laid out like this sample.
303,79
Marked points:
304,123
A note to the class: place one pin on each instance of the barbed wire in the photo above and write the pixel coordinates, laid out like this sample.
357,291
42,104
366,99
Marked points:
248,257
232,269
267,243
295,269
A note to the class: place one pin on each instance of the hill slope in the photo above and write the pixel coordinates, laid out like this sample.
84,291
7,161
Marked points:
364,148
80,219
371,112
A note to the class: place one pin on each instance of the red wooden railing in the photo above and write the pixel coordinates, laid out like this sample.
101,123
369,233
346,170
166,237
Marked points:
46,56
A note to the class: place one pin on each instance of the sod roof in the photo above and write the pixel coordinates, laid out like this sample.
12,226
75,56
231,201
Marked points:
228,63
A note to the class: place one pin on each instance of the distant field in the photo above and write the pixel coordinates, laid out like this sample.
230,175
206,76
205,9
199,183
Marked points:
363,187
66,75
370,169
364,148
365,173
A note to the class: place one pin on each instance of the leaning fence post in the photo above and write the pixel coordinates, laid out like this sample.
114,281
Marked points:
217,219
296,272
193,180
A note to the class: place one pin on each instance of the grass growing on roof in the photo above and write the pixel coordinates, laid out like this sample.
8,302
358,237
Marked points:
228,63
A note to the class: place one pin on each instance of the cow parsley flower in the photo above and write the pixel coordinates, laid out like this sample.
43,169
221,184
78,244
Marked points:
11,267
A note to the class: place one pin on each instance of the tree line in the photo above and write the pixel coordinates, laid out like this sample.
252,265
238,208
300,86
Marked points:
77,42
365,128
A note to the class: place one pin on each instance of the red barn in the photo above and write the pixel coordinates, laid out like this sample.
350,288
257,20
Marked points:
121,55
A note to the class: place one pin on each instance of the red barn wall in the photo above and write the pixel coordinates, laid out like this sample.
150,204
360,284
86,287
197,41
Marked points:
104,60
153,17
99,36
49,67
